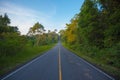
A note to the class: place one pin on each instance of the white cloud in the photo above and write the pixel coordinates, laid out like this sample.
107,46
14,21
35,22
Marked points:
24,17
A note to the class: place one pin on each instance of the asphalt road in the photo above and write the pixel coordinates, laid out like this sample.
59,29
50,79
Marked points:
58,64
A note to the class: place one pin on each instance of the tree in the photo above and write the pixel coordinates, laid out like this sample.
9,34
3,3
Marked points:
4,25
4,21
71,31
62,35
10,39
35,32
88,24
36,29
110,11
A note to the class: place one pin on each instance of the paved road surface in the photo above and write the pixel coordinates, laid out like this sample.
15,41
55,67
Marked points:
58,64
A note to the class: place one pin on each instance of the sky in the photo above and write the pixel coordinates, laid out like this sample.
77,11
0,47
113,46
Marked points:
52,14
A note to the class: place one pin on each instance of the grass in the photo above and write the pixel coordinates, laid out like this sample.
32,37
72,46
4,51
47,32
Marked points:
7,63
100,63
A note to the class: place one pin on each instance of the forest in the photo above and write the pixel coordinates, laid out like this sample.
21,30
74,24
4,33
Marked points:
94,34
15,49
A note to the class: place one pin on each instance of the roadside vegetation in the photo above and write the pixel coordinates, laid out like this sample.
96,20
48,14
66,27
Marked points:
94,34
17,49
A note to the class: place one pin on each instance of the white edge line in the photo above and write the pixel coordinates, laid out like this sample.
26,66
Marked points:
99,70
22,67
96,68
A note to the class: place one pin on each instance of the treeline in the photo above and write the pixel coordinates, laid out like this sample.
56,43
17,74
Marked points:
12,42
95,31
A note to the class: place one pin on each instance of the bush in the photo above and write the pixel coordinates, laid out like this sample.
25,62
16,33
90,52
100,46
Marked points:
11,43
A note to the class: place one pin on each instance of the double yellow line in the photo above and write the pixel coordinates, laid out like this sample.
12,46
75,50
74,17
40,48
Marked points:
59,61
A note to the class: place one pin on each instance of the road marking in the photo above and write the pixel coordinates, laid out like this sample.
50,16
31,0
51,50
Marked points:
23,66
59,61
95,67
98,70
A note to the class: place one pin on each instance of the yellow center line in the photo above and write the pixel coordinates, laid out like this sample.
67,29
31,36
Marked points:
60,71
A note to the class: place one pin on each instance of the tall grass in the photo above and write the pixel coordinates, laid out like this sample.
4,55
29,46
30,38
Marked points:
8,63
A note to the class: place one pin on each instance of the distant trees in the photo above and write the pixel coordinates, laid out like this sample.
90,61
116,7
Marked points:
36,29
39,37
36,32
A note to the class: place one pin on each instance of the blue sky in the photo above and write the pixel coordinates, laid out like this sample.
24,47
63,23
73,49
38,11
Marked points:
52,14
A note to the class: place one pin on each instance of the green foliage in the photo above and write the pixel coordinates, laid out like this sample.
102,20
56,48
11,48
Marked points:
39,37
36,29
4,20
96,33
29,52
111,15
88,24
15,49
11,43
10,40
